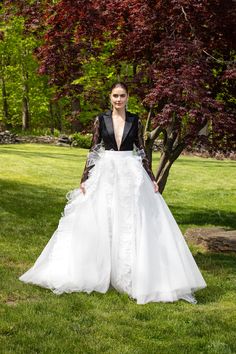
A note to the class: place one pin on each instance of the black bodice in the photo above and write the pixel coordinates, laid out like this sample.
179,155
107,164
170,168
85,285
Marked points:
132,136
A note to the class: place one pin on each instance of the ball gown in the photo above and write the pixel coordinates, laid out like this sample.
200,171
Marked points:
120,233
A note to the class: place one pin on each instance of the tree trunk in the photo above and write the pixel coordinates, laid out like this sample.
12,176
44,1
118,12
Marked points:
171,151
5,107
162,180
58,116
75,106
174,142
25,101
149,141
51,113
25,109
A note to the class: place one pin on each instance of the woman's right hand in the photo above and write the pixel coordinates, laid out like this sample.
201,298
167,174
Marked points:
156,188
82,187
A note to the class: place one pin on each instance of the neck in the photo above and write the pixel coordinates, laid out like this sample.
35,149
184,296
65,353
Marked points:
119,112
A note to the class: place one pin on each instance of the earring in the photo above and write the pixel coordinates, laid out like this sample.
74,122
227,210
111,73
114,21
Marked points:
126,106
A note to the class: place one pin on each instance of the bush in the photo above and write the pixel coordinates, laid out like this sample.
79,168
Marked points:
37,132
81,140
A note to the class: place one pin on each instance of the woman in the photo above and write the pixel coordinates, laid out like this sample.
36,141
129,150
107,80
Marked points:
116,228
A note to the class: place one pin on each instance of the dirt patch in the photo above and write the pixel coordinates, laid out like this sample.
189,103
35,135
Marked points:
214,239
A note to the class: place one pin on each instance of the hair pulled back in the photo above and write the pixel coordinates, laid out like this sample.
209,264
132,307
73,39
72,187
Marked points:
120,84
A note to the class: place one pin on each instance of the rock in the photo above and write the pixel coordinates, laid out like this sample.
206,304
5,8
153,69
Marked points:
64,140
6,137
215,239
45,139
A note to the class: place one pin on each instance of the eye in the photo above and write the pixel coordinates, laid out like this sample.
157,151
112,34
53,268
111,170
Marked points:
123,95
115,95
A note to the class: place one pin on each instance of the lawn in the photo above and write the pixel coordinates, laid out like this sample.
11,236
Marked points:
34,180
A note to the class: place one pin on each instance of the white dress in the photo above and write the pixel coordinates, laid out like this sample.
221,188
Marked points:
120,233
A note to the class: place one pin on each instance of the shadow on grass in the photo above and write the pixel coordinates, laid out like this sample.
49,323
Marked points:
204,162
220,268
54,155
30,201
182,160
201,217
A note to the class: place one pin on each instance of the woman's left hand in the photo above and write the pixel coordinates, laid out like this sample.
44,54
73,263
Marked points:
156,188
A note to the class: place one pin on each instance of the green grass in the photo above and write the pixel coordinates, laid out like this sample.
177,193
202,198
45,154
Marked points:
34,180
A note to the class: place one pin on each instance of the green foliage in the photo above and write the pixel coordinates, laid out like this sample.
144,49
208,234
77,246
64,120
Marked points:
19,67
98,76
38,132
17,58
81,140
98,67
226,86
17,64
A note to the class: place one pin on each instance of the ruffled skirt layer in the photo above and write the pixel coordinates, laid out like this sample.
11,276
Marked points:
119,233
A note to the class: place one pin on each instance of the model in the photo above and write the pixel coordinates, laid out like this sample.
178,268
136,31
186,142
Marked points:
116,229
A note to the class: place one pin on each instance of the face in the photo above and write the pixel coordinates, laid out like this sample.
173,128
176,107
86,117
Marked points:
118,97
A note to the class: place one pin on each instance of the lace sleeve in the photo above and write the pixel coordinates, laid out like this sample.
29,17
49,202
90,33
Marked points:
139,142
96,139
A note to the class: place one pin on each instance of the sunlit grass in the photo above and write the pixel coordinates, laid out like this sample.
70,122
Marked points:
34,180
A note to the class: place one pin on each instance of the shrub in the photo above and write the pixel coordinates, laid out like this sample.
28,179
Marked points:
81,140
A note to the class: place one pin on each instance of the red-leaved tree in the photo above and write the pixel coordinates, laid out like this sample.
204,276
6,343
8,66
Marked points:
182,54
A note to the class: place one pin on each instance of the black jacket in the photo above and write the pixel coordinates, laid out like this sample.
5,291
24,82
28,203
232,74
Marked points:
132,134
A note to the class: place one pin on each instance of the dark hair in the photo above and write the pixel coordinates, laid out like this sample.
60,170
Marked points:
120,84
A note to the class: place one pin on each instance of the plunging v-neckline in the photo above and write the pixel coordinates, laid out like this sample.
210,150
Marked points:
122,136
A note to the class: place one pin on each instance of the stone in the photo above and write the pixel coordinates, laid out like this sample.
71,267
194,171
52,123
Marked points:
6,137
214,239
64,140
45,139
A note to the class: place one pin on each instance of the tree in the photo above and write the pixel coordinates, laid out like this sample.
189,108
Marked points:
24,102
174,49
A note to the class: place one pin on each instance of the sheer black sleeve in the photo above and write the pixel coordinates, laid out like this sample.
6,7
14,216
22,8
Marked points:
96,139
139,142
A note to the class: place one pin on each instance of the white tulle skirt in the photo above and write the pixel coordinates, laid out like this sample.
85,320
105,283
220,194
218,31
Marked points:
120,233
